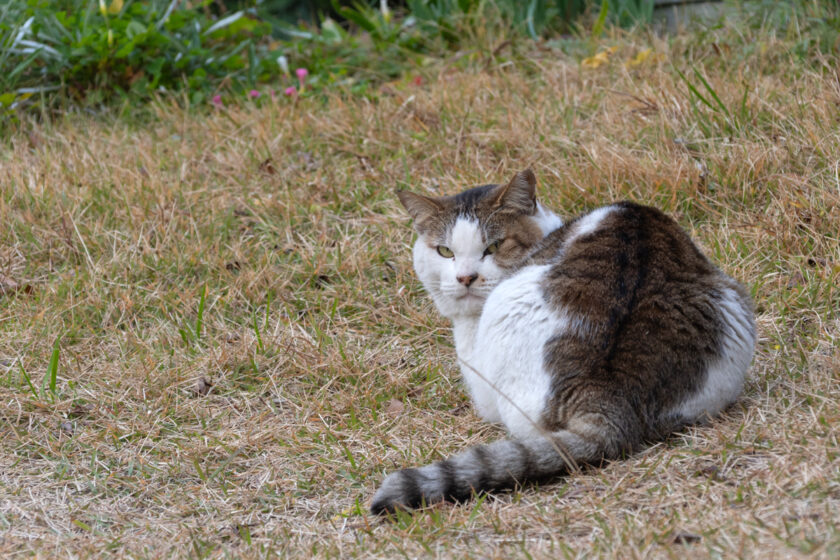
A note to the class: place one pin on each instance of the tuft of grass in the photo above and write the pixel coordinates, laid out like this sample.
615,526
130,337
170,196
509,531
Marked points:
270,233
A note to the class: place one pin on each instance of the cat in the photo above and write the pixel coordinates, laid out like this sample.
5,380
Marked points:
585,340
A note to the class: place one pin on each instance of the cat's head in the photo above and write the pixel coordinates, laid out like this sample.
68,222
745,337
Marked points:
471,241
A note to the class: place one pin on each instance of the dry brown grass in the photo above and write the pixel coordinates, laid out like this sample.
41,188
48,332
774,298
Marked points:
327,366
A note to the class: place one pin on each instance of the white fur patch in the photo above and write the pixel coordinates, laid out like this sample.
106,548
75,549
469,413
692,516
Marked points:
547,220
510,384
467,243
725,377
589,223
465,238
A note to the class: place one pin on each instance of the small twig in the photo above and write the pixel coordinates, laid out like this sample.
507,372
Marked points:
648,104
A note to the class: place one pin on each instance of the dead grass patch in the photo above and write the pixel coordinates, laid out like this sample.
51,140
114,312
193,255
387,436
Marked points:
264,426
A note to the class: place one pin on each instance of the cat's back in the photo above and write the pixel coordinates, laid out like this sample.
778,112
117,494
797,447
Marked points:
615,257
617,234
612,252
627,267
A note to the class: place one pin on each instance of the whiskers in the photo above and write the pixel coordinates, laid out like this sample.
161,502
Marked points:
456,291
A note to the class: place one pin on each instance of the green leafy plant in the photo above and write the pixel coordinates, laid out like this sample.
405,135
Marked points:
90,50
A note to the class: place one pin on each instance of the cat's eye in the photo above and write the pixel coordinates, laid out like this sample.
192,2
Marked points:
492,248
445,252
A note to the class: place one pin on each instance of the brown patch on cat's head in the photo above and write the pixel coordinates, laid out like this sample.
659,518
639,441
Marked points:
518,196
504,213
508,219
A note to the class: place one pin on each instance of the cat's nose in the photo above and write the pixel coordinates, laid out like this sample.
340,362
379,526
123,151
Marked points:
467,280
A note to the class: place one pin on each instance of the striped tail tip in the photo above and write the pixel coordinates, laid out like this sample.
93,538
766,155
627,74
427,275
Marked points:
501,465
413,488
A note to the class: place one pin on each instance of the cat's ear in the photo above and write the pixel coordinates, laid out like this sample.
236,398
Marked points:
420,208
519,195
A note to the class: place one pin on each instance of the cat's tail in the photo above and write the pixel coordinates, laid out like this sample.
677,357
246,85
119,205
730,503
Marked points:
498,466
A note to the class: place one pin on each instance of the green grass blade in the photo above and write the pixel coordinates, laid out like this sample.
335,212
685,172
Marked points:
598,28
260,346
28,381
267,309
349,456
23,65
185,336
200,472
712,92
245,534
224,464
355,15
52,369
744,103
695,91
199,321
82,525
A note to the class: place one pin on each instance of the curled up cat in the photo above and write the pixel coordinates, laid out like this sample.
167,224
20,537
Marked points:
585,339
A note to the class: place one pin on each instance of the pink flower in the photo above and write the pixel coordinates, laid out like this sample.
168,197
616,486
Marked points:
301,73
217,100
291,90
253,94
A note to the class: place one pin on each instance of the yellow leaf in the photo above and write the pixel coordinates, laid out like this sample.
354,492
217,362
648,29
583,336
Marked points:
596,61
115,7
640,57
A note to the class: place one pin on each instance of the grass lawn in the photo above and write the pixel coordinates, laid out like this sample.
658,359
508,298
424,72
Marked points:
212,342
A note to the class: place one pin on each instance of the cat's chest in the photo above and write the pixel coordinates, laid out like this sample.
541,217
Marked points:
501,353
465,331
